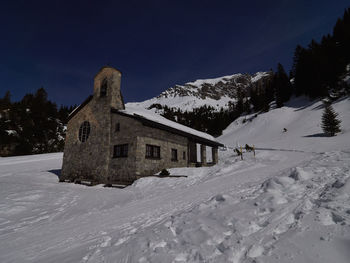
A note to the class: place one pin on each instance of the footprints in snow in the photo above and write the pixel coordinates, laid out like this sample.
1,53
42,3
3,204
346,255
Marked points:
244,226
247,225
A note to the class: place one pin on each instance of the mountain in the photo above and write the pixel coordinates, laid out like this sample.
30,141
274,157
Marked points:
216,92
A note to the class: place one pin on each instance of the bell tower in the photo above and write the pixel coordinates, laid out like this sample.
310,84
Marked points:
107,87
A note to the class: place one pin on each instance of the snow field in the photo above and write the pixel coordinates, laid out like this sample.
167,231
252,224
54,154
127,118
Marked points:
301,118
291,203
243,225
47,221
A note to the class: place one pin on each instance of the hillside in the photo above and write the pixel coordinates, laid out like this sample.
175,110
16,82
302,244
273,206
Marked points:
289,203
300,117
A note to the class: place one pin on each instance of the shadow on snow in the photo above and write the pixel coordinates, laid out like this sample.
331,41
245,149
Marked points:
56,172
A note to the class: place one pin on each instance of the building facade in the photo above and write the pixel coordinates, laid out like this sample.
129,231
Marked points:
106,143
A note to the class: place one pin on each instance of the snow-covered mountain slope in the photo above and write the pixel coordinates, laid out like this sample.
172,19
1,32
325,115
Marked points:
300,117
286,205
217,92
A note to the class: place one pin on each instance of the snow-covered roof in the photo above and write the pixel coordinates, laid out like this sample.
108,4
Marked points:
153,117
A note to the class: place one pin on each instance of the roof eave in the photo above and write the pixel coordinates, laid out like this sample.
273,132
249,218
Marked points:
161,126
76,110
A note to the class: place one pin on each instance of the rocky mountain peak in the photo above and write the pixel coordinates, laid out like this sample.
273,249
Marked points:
216,92
217,88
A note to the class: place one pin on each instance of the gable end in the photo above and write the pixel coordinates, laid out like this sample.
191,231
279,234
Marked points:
77,109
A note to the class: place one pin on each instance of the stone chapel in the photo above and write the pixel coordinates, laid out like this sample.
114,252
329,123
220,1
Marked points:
108,143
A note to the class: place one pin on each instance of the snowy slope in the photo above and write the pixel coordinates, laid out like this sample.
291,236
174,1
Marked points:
300,117
286,205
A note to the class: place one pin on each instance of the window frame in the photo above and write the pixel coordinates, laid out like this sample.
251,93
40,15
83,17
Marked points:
152,152
84,131
121,150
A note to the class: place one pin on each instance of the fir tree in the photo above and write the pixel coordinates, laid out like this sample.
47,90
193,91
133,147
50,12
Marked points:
330,123
37,125
282,86
5,102
318,68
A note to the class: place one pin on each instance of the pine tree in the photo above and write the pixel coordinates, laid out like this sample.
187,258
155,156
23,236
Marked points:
38,125
282,87
318,68
5,102
330,124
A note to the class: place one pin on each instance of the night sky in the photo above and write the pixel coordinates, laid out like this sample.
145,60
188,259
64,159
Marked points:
60,45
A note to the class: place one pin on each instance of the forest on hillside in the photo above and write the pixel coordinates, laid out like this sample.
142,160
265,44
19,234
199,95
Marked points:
32,125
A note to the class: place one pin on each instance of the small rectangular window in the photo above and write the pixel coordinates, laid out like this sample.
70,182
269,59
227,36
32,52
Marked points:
174,155
184,155
117,127
120,150
103,88
152,151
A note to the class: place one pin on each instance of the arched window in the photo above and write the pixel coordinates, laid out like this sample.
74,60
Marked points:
84,131
103,89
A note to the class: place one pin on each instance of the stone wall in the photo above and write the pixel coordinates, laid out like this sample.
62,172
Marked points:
123,168
137,136
90,160
87,160
114,97
149,166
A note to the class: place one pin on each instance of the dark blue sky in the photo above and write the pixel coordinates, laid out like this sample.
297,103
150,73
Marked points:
60,45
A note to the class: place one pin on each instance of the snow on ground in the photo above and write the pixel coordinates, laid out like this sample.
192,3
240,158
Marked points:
286,205
301,214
